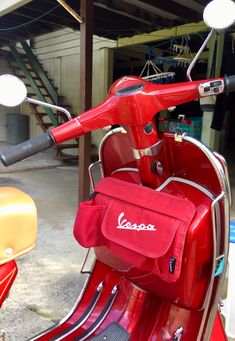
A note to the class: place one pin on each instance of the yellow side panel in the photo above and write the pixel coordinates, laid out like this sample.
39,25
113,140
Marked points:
18,223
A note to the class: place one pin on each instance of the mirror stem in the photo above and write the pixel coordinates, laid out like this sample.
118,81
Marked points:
48,105
195,59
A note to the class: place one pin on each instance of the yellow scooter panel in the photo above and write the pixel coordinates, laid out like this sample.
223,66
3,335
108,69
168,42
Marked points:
18,223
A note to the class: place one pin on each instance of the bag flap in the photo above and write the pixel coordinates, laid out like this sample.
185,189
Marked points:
149,224
145,197
146,232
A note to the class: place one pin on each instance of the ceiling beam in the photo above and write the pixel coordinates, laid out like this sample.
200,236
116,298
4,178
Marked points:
70,10
110,17
163,34
136,51
109,21
191,4
152,9
7,6
125,14
180,10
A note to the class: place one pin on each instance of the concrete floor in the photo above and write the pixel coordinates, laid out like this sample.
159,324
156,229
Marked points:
49,281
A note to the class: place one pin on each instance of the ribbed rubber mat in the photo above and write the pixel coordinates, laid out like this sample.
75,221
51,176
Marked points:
113,332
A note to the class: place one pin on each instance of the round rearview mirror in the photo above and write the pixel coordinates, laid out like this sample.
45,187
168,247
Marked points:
219,14
12,91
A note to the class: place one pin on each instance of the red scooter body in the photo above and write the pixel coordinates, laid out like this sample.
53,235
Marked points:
8,273
125,298
190,289
147,307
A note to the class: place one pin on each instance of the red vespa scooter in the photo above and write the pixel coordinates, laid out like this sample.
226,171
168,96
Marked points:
158,221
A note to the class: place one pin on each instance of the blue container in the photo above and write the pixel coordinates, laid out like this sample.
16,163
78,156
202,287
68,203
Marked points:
193,129
232,232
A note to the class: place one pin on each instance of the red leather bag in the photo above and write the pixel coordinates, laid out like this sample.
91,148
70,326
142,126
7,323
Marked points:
142,226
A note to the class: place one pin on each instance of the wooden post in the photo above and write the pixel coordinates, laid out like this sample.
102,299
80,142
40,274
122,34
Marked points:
86,12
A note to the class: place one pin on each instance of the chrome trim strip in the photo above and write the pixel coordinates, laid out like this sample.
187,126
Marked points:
106,136
66,317
125,169
85,272
217,221
196,57
211,284
216,234
85,318
178,334
209,314
216,251
150,151
112,298
188,182
90,168
104,313
49,105
224,162
214,161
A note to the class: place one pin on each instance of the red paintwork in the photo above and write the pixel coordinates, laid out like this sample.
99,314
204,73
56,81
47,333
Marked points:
134,109
189,291
138,140
218,333
8,273
190,162
147,307
145,316
112,155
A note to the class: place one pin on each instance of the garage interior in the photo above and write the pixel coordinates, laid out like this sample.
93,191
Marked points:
129,33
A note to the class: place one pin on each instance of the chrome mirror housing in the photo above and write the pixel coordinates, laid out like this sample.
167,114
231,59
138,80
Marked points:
12,91
219,14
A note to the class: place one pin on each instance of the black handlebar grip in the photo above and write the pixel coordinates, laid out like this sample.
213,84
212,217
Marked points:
229,83
26,148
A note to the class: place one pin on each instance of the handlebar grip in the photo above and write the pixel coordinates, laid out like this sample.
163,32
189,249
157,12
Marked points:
26,148
229,83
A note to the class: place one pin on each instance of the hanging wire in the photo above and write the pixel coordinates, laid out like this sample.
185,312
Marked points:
30,21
